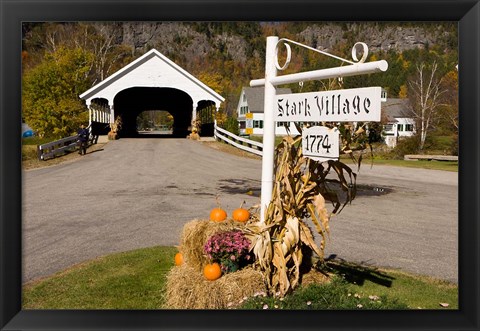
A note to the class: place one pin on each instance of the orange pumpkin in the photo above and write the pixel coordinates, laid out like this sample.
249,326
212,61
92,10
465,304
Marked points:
178,258
218,215
241,215
212,271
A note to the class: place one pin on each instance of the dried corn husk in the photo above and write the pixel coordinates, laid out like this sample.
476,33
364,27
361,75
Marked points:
299,195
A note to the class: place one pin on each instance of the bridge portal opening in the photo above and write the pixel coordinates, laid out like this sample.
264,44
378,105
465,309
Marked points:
155,122
129,104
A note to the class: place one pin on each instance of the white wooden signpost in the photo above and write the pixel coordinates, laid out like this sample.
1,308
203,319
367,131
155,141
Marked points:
321,143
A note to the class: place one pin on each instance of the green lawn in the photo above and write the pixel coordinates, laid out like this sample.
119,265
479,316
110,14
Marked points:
423,164
136,280
131,280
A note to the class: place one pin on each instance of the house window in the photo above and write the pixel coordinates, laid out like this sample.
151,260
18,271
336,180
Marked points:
280,124
243,110
409,127
388,127
242,124
400,127
384,95
258,124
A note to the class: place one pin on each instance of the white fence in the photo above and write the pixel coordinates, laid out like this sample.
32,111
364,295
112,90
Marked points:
247,145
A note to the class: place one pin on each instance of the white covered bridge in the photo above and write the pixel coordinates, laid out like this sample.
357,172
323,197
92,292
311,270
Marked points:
151,82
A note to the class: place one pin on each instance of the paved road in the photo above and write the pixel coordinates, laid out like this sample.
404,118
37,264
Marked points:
139,192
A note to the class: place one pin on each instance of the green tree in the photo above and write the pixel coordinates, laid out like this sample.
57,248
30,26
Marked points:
50,101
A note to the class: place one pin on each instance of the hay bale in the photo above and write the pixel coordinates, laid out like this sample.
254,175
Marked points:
314,276
195,235
188,289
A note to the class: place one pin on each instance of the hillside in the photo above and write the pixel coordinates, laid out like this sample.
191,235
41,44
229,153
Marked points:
227,55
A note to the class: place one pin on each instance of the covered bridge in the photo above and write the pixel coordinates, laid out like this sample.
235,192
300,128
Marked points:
151,82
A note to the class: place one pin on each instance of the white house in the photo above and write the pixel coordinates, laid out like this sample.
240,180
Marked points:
251,102
400,121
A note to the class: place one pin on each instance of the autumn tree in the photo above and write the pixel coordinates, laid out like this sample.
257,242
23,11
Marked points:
449,109
50,101
424,92
100,39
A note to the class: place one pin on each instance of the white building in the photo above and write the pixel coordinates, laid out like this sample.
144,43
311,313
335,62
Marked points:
151,82
252,101
400,122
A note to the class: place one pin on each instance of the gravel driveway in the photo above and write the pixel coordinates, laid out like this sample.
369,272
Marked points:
140,192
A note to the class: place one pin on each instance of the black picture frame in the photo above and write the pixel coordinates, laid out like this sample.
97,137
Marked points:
14,12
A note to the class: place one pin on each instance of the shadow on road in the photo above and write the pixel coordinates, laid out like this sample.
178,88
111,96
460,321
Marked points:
355,273
97,150
241,186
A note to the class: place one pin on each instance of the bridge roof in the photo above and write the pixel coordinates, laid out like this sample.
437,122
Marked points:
153,69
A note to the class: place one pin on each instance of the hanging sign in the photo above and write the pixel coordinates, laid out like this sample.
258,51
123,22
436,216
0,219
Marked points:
351,105
249,123
320,143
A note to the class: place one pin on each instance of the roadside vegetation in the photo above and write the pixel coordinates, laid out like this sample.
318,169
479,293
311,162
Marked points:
30,158
382,155
136,280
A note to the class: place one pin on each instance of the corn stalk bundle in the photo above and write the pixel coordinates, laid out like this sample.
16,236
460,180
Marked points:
117,125
299,196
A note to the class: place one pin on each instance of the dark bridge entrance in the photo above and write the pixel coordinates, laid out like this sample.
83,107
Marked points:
130,103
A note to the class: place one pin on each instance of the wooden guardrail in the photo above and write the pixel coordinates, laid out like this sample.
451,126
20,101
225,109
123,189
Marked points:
247,145
52,149
412,157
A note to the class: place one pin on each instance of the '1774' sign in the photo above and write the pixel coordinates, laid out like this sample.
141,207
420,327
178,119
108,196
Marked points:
351,105
320,143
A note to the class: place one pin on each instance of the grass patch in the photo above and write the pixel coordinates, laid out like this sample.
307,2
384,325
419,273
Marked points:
359,287
131,280
418,292
423,164
136,280
334,295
